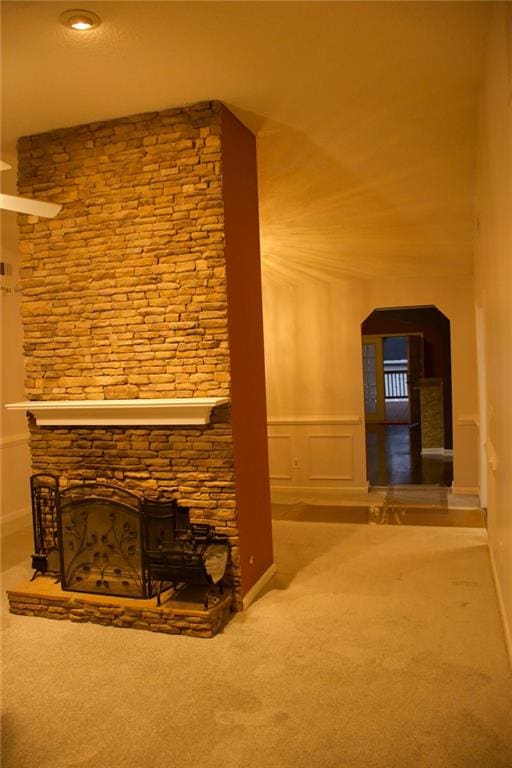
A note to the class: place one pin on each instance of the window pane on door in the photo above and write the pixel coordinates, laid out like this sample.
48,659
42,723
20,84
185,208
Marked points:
370,378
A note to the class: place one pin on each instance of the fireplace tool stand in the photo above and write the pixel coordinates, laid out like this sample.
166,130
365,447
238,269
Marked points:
44,494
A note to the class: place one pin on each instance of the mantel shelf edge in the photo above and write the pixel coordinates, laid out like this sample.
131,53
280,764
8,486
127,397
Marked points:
181,411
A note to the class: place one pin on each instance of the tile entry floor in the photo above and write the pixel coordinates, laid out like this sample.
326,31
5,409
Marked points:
382,514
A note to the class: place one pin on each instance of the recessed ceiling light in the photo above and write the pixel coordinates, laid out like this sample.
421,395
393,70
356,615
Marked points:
80,20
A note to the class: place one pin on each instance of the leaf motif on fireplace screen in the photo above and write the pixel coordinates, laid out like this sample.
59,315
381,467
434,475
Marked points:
101,548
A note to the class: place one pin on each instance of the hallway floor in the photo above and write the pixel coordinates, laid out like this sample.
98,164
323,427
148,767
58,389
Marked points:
393,457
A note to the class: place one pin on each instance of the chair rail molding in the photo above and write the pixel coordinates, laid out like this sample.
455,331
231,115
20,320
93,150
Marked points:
11,440
341,420
468,420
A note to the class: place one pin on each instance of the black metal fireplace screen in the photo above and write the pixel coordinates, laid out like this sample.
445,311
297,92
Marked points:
112,542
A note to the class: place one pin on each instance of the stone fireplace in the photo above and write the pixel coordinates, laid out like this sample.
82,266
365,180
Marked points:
146,289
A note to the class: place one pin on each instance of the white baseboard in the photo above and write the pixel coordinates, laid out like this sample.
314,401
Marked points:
254,591
507,629
465,490
437,452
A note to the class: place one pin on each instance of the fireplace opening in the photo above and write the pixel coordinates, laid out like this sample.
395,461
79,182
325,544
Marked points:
110,541
100,541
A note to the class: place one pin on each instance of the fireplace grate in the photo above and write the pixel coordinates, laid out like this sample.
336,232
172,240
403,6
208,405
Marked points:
180,553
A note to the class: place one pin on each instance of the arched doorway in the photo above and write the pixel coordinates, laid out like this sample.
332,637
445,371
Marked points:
408,398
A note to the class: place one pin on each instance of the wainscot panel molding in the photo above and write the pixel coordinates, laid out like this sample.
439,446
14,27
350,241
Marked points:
12,440
507,629
280,457
15,491
330,457
316,453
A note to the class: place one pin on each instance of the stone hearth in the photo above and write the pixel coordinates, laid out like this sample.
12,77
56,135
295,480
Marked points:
44,598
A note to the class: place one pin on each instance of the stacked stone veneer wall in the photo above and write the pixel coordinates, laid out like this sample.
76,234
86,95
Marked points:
431,399
124,295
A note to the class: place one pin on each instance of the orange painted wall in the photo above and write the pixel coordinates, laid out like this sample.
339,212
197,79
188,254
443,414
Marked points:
245,326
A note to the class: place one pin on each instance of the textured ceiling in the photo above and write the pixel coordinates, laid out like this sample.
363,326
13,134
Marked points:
365,112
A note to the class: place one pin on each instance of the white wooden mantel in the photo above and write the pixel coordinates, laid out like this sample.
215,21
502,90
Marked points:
127,413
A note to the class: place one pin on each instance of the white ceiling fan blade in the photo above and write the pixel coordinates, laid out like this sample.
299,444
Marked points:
4,166
29,206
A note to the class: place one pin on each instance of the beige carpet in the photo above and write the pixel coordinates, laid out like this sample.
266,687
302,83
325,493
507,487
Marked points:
374,647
